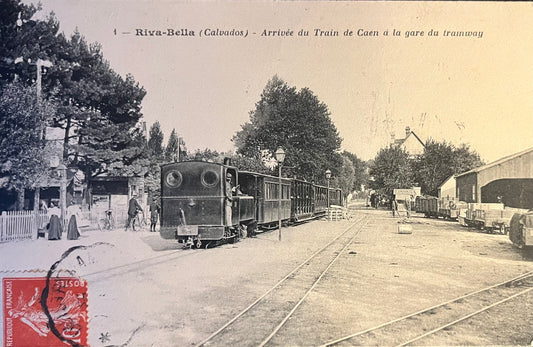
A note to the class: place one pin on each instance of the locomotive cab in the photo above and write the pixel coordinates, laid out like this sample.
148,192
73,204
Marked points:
194,196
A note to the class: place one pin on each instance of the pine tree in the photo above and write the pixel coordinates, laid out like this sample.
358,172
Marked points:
155,140
172,148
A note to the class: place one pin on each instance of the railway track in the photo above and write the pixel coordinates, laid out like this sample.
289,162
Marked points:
281,301
134,266
415,327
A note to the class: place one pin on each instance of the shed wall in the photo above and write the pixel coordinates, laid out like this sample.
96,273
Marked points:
520,167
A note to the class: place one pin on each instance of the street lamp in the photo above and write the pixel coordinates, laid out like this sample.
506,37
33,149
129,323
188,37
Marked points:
280,157
62,172
328,177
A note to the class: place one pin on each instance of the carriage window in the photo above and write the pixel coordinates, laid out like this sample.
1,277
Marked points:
285,192
209,178
174,179
271,191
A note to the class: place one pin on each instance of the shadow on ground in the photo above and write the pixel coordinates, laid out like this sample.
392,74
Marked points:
158,244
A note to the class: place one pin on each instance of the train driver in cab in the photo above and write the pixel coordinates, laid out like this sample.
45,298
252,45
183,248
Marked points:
228,200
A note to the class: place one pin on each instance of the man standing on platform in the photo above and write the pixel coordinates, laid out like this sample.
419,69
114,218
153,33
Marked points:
154,214
133,209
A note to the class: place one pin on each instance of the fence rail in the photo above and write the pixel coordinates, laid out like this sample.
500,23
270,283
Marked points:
21,225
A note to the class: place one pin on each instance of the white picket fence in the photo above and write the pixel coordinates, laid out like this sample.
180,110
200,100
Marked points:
21,225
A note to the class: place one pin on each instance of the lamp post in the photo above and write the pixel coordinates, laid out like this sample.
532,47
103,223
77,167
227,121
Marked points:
328,177
62,172
280,157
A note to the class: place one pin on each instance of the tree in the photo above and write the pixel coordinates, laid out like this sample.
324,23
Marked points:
155,140
155,153
90,96
101,111
300,124
441,160
23,41
434,166
465,159
208,155
172,148
23,158
346,177
391,169
360,170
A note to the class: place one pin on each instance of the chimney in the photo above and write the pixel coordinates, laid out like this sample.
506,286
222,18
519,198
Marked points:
407,131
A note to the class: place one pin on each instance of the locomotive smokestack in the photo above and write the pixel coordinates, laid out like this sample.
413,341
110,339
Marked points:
227,161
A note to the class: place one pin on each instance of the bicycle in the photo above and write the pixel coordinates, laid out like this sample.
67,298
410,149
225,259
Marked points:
108,222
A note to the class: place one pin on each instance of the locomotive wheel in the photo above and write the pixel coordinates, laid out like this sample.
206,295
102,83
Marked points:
233,236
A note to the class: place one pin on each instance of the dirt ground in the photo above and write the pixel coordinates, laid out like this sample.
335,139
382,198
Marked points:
168,296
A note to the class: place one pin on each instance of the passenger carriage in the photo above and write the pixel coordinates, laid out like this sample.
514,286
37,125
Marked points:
302,201
265,191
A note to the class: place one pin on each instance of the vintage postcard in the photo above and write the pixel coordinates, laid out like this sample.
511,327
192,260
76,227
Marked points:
252,173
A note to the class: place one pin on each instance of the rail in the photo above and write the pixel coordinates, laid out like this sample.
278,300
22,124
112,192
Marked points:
506,285
286,287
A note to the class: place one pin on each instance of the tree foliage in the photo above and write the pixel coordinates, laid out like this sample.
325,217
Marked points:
360,170
23,158
346,178
465,159
172,150
392,168
441,160
97,109
299,123
155,140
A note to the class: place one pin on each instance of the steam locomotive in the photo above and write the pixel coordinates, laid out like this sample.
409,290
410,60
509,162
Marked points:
195,201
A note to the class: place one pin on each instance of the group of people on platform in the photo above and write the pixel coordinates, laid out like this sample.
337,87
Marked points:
406,203
54,227
134,208
377,200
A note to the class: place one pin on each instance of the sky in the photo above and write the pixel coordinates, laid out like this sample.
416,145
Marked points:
475,89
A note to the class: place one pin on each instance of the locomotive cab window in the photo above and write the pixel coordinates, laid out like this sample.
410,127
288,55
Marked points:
174,179
209,178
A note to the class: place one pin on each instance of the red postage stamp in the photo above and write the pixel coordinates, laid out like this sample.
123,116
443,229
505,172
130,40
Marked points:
41,311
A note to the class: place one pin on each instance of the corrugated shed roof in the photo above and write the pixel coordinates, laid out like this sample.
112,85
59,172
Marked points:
497,162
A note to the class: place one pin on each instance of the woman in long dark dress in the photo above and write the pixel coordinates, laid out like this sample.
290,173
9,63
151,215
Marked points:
54,228
72,233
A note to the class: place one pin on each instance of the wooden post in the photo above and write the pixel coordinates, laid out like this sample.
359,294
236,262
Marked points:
36,203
